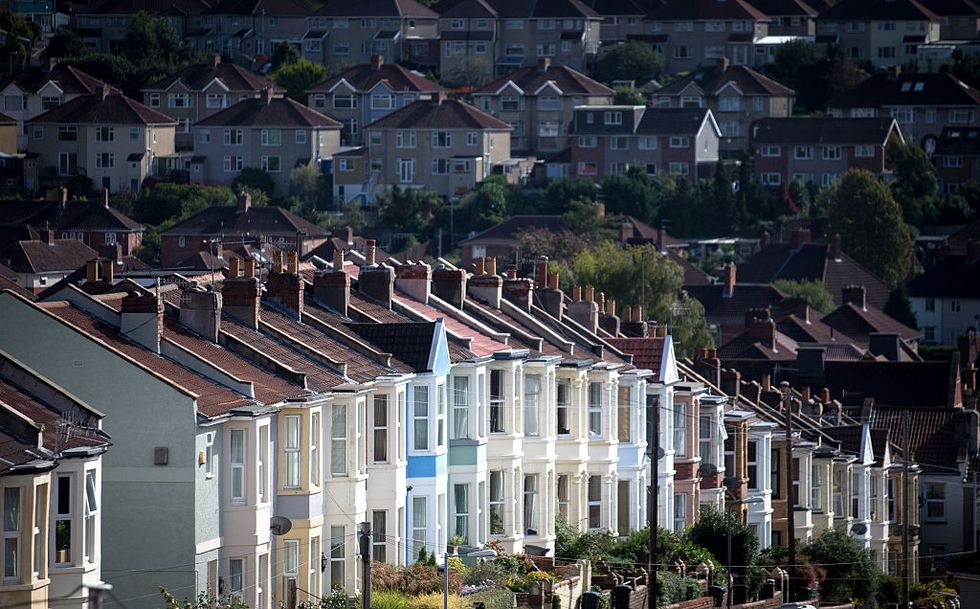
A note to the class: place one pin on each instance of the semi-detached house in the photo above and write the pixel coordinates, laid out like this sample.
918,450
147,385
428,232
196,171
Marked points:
883,32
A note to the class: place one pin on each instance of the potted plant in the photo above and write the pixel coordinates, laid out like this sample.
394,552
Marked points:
454,543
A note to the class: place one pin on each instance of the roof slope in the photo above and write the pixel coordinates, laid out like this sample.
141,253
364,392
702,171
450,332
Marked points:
365,76
952,277
276,112
891,10
200,75
375,8
671,121
42,257
112,109
409,342
713,79
705,9
818,130
531,78
285,8
69,79
153,7
858,323
255,221
928,89
647,352
446,114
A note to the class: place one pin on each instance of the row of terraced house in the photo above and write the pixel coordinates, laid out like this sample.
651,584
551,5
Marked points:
434,403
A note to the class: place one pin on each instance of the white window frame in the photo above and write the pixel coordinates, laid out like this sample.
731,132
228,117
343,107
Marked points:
237,466
338,440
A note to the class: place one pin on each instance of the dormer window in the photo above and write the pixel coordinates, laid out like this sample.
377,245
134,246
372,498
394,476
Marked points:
613,118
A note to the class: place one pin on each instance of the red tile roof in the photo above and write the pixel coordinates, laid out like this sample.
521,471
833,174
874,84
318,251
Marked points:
479,344
647,352
64,255
531,78
447,114
277,112
69,79
113,109
364,78
200,75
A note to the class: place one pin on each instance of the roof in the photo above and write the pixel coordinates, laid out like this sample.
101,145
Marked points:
890,10
933,435
75,215
952,8
511,228
783,8
713,80
927,89
69,79
616,7
731,311
516,9
200,75
446,114
365,76
858,323
112,109
276,112
694,10
924,384
647,352
672,121
409,342
531,78
818,130
230,220
154,7
285,8
63,255
375,8
958,141
954,276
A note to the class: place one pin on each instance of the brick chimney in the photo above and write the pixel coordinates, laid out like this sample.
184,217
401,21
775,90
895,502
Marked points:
200,311
728,274
543,64
93,270
415,280
285,285
105,91
142,319
108,270
374,280
332,288
377,61
345,234
585,311
48,234
552,299
854,294
632,323
798,306
754,314
518,290
608,320
244,201
764,331
268,94
707,364
241,295
487,286
213,60
799,237
835,249
450,285
885,343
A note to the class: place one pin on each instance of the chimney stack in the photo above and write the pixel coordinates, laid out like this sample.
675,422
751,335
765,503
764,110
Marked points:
378,282
142,319
285,285
241,296
855,295
608,320
885,343
543,64
450,286
552,298
377,61
244,201
586,312
370,247
332,288
707,364
798,306
415,280
799,237
93,270
200,311
541,273
756,313
489,286
764,330
105,198
835,248
214,59
108,270
729,284
267,95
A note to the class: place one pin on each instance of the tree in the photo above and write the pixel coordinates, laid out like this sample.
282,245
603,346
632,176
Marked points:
815,293
862,210
170,203
629,96
642,275
914,186
816,74
710,532
64,43
296,78
560,193
635,60
409,210
285,54
633,194
899,308
851,572
310,186
151,41
253,178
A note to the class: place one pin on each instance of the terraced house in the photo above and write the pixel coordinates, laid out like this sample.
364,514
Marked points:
247,31
883,32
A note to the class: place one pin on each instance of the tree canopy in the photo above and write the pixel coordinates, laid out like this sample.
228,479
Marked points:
634,60
295,78
851,573
862,210
914,186
815,293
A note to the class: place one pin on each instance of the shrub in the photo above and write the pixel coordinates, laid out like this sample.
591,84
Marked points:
673,588
412,580
487,572
492,599
389,599
434,600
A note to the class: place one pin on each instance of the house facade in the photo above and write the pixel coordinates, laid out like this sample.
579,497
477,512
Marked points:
882,32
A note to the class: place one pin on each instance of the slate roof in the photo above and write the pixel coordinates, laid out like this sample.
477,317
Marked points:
277,112
647,352
285,8
958,141
230,220
820,130
814,331
200,75
812,262
952,8
952,277
466,9
375,8
530,78
73,216
40,257
783,8
890,10
113,109
446,114
923,384
365,76
616,7
927,89
712,80
516,9
858,323
731,311
409,342
672,121
694,10
154,7
8,281
69,79
932,435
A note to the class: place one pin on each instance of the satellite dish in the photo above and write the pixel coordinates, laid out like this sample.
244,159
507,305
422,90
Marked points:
859,528
280,525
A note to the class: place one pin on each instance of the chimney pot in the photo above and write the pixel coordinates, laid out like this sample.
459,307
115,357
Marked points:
491,265
729,285
627,313
244,201
577,293
478,267
370,252
234,267
589,293
92,271
214,60
835,247
338,261
544,63
250,267
108,270
553,281
241,296
541,278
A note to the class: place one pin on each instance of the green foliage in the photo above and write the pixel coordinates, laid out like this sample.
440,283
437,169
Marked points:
419,578
284,54
253,178
814,292
484,206
409,210
634,60
489,571
862,210
851,572
491,599
914,186
629,96
64,43
203,601
151,41
633,194
898,306
296,78
423,556
814,72
672,588
311,188
336,599
561,193
642,275
711,533
14,50
171,203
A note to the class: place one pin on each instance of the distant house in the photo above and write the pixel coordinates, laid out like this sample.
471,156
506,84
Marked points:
791,17
274,134
29,93
959,19
363,94
819,150
40,263
622,20
113,140
201,90
882,32
689,32
234,227
922,104
946,298
248,31
350,32
736,96
104,24
956,157
539,102
609,139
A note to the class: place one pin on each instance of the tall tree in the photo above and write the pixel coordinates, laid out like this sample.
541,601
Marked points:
633,60
914,186
296,78
633,194
862,210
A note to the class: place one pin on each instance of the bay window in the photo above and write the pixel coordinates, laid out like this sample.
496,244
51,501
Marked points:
461,420
62,520
462,511
532,392
380,452
236,455
91,512
496,503
531,504
564,390
338,557
291,450
419,522
11,534
338,440
594,498
315,449
595,409
420,420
